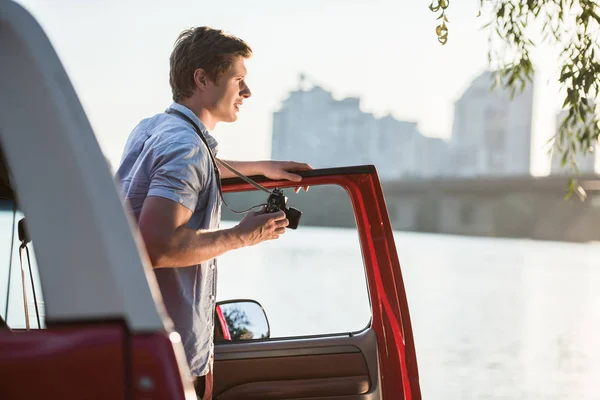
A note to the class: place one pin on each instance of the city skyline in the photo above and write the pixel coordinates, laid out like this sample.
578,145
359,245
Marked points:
328,132
118,63
491,135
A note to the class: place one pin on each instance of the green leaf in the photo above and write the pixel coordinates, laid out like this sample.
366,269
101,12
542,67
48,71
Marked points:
565,75
589,80
564,158
570,188
582,112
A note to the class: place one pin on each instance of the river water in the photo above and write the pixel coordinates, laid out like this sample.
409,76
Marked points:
492,318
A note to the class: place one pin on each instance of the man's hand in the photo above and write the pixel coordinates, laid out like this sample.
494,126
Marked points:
275,170
257,227
283,170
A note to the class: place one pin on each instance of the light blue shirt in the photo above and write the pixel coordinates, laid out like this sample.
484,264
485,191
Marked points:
164,157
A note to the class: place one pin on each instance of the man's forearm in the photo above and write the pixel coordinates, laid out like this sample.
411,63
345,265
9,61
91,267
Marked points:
189,247
246,168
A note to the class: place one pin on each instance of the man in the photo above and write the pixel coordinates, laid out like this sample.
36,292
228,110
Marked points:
169,180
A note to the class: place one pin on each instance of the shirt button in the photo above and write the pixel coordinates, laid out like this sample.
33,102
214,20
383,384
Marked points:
212,266
212,297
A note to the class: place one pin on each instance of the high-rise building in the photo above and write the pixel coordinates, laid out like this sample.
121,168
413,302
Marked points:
303,125
491,134
326,132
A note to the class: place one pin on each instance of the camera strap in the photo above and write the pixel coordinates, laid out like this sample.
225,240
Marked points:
215,160
245,178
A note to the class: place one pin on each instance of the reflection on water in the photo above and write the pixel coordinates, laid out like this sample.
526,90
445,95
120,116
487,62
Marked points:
493,319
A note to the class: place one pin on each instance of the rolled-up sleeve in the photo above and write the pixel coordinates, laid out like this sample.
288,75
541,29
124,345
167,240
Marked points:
179,173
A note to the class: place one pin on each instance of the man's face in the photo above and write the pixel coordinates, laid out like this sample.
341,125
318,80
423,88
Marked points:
226,96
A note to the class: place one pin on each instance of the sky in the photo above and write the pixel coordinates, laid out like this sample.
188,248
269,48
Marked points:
116,53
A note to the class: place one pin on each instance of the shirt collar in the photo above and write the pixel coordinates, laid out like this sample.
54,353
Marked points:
212,142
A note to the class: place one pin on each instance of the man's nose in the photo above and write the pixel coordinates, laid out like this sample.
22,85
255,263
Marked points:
246,91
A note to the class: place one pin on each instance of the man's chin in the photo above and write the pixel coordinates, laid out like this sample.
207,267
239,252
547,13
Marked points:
229,119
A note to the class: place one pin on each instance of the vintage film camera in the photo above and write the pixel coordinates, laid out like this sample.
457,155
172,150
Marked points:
277,201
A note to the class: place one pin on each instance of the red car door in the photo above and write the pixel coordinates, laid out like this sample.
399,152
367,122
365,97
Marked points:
378,362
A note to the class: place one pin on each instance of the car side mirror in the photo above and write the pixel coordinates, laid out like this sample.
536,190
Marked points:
237,320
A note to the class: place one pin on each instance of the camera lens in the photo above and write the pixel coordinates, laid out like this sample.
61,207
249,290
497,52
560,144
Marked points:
293,215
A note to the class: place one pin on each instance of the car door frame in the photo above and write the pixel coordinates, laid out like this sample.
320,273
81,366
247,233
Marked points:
389,307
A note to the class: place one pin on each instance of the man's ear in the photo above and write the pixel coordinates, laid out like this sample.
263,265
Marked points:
200,79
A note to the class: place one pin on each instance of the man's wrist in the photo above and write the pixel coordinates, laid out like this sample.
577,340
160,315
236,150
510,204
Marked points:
234,237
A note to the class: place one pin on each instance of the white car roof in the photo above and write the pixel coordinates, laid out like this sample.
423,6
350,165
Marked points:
88,254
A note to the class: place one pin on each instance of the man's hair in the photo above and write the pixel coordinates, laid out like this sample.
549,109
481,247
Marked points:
210,49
